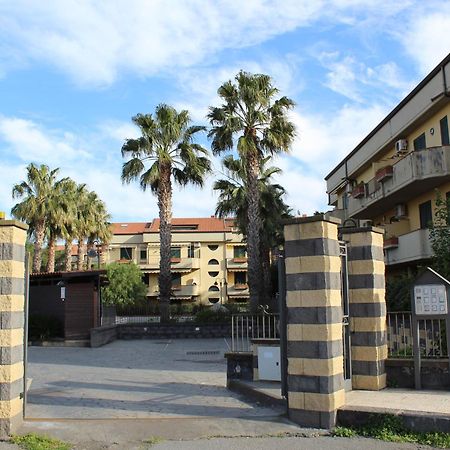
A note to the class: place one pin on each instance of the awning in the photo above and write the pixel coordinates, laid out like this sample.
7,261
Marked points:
173,269
239,295
150,270
237,269
187,297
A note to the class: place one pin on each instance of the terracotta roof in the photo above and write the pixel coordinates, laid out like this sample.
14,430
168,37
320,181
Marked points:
129,227
198,224
61,248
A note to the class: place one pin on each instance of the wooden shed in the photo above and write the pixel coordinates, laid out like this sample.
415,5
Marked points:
70,298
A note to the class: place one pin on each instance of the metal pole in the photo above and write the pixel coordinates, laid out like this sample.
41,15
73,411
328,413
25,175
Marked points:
416,347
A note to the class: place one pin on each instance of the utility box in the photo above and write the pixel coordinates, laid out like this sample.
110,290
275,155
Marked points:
269,363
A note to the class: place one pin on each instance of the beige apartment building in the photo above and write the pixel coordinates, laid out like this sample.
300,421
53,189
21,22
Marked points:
208,258
392,176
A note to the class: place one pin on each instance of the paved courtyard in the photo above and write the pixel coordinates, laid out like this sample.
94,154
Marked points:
135,379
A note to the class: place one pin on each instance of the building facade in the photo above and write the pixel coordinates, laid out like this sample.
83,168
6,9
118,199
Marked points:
392,177
208,258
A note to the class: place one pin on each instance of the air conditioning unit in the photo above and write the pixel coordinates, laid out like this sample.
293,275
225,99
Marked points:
401,211
401,146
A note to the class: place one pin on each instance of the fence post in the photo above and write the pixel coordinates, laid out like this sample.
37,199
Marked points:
367,306
315,380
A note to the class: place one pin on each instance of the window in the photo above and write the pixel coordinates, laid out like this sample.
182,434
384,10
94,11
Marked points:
425,214
239,251
126,253
213,289
143,254
175,252
213,300
213,274
445,138
213,262
240,278
420,142
191,250
176,279
213,247
184,227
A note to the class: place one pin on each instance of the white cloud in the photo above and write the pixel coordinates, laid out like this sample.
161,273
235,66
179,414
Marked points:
94,42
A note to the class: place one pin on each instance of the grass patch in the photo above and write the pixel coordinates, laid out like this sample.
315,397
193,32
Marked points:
36,442
390,428
153,440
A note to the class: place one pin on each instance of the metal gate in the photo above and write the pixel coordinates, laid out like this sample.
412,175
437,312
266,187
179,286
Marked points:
345,317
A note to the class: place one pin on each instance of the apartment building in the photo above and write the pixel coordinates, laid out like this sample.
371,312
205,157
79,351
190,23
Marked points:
208,258
392,176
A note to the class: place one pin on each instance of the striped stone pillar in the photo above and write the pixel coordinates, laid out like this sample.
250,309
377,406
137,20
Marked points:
367,306
12,288
314,321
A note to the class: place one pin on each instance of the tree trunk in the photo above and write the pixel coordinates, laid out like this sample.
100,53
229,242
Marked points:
253,230
165,237
51,253
81,253
266,294
39,233
68,255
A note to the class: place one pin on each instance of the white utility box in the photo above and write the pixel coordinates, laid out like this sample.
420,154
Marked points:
269,363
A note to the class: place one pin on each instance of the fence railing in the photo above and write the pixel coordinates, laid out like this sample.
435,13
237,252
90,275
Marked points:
432,336
245,327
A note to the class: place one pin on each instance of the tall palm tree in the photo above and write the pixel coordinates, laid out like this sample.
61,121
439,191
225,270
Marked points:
166,151
37,193
257,123
233,200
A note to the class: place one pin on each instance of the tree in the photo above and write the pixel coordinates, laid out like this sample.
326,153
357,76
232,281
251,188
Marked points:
165,151
251,118
125,284
37,193
233,201
440,235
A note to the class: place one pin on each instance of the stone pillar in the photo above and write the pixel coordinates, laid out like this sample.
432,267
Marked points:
314,321
367,306
12,288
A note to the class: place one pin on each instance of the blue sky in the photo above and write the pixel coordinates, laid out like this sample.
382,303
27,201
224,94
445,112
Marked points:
74,72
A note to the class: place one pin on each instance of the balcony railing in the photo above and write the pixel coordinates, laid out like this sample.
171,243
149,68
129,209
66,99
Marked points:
237,263
238,290
416,173
410,247
178,290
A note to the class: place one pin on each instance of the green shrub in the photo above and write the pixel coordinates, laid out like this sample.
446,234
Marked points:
212,315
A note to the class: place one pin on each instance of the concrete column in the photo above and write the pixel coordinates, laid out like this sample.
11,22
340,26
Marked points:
314,321
12,288
367,306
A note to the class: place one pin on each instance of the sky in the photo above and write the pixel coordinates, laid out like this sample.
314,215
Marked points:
74,72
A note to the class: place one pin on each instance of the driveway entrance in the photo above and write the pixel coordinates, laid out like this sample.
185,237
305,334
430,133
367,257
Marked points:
135,379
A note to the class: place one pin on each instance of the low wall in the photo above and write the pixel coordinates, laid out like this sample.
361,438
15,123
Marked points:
435,373
173,331
103,335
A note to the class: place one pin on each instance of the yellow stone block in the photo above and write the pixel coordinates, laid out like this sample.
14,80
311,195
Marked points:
11,337
324,402
12,269
369,353
310,230
11,408
369,382
11,372
308,264
316,366
367,295
367,323
364,239
12,234
322,332
364,267
296,400
322,297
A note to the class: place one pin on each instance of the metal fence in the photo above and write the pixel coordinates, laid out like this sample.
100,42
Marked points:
432,335
245,327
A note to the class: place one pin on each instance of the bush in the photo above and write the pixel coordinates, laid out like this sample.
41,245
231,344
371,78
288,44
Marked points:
210,315
41,328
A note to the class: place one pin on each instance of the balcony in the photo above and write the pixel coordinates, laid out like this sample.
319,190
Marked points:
178,291
176,264
413,246
237,264
238,290
415,174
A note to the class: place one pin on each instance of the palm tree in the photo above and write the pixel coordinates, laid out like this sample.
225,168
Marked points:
233,200
251,118
37,193
166,151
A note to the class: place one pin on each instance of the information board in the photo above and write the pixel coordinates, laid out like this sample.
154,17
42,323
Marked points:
430,299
